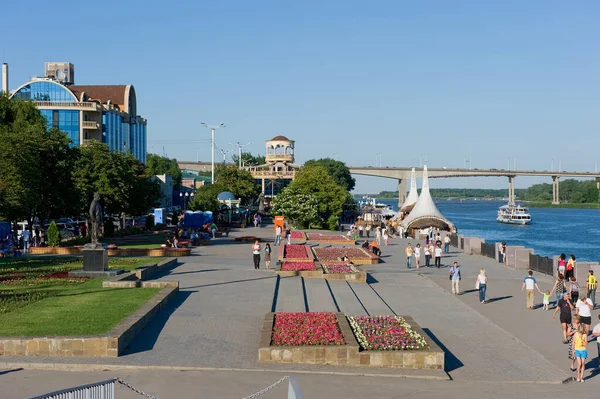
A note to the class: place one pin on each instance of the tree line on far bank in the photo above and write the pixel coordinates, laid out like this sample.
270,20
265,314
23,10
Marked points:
570,191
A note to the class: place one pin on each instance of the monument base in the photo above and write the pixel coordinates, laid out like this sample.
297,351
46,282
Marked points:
103,273
95,258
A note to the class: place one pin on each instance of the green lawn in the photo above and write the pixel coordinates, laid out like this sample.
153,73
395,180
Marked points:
57,264
129,264
141,245
70,309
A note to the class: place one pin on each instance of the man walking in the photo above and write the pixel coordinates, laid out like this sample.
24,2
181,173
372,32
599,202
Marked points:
447,245
409,254
278,235
530,284
592,283
455,277
438,256
26,235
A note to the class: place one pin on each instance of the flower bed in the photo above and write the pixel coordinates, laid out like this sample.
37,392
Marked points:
385,333
314,328
329,238
339,268
356,255
295,252
298,266
297,235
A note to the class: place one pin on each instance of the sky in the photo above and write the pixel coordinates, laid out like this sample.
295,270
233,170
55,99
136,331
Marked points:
415,81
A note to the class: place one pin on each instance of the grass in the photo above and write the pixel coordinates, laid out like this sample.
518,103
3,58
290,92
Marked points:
72,309
54,264
141,245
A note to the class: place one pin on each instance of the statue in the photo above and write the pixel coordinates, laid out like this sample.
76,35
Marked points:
261,203
95,219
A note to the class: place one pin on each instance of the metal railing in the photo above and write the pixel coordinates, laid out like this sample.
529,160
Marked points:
90,125
96,390
58,104
269,173
488,249
276,157
541,264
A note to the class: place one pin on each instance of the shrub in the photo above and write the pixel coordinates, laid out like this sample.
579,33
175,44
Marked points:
77,241
332,222
109,228
149,222
53,235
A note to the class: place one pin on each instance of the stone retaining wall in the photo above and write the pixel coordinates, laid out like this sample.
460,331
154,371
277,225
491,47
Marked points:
157,252
134,279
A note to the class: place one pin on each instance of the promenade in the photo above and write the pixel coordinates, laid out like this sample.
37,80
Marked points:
212,332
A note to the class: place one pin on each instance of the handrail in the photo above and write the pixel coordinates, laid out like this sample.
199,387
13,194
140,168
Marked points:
96,390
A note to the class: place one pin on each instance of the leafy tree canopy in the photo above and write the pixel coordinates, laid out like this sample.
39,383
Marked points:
158,165
205,198
297,206
239,182
337,170
248,159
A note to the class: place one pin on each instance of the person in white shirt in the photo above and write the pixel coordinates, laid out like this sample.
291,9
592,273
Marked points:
25,234
596,333
278,235
447,244
584,308
360,230
418,255
256,254
481,285
438,256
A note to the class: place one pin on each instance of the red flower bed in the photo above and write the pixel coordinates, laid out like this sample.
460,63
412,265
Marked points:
333,254
315,328
298,266
297,235
295,252
339,268
385,333
325,237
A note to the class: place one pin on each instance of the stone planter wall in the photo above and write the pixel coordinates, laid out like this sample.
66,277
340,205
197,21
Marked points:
157,252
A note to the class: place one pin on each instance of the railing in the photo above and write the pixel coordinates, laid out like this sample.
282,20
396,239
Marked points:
90,125
58,104
276,157
97,390
268,173
541,264
488,249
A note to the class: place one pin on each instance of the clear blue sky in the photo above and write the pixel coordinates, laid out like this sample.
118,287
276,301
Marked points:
449,79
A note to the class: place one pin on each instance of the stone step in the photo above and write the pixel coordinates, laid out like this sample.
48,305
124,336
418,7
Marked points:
318,295
290,297
370,300
345,298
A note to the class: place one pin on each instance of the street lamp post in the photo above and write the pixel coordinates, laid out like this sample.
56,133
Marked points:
212,161
240,146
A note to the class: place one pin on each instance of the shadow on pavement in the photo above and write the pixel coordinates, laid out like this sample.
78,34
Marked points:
451,362
231,282
10,371
197,271
371,279
147,338
498,299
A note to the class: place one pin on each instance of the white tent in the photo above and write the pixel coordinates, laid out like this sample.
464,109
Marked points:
425,214
413,195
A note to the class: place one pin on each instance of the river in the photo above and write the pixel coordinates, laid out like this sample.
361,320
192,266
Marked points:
552,230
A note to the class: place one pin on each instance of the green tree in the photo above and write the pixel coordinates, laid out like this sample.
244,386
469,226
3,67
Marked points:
239,182
53,235
205,198
248,159
158,165
337,170
297,206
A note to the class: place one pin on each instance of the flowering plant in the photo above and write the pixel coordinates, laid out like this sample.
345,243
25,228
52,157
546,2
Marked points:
298,266
313,328
325,237
339,268
295,252
385,333
333,254
297,235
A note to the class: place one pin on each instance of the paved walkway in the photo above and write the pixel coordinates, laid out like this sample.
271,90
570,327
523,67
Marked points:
216,320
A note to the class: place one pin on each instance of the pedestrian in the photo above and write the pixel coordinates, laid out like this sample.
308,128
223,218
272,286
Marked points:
584,308
378,235
546,299
455,277
26,235
361,230
368,231
570,333
268,256
427,240
564,306
259,218
255,221
409,254
447,244
562,265
418,255
559,287
256,254
213,229
385,236
503,253
592,283
574,289
571,266
427,251
288,236
530,284
438,256
277,235
580,343
481,285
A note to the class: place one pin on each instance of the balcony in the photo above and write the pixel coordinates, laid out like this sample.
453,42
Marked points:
268,174
89,106
90,125
279,157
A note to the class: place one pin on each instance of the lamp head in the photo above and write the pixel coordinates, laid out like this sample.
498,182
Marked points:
222,125
203,124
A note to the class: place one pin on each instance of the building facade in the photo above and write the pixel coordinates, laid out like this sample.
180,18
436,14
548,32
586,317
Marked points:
106,113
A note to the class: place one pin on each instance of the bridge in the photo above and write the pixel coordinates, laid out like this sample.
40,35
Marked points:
403,175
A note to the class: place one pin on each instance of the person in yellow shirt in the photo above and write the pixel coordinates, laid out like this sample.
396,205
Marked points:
580,346
592,283
409,254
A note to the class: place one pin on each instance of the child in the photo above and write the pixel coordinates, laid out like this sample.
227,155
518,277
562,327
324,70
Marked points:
546,300
580,345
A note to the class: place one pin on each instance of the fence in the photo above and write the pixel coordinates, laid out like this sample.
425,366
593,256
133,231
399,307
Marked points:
541,264
488,249
97,390
454,240
462,242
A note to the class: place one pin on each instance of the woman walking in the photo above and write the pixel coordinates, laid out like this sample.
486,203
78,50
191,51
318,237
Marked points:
565,307
571,266
481,285
268,256
427,255
386,237
378,235
418,255
562,265
256,254
559,287
574,290
570,333
580,344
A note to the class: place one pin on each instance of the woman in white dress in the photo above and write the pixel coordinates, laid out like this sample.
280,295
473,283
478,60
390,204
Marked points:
378,235
418,255
386,237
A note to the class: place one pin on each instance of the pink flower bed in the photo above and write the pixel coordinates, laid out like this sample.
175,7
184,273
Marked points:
339,268
297,235
298,266
332,254
385,333
295,252
314,328
325,237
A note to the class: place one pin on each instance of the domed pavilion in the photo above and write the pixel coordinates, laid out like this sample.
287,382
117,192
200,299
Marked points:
279,168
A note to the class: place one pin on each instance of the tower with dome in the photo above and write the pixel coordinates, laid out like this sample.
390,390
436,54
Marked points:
279,168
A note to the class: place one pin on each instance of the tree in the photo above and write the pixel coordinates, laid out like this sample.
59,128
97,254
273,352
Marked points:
248,159
53,235
337,170
205,198
297,206
239,182
331,197
158,165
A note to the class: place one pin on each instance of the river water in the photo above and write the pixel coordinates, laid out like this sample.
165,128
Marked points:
552,230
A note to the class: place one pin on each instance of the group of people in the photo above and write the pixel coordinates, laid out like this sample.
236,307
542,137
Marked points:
256,251
279,231
432,249
358,231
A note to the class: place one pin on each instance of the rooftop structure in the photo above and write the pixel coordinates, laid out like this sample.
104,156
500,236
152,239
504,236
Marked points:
413,195
279,168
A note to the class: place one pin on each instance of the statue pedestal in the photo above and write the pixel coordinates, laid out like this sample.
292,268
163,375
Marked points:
95,263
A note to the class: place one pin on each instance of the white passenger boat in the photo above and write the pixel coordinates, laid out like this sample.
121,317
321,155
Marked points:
513,214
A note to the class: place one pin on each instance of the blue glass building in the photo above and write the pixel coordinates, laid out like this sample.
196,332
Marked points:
104,113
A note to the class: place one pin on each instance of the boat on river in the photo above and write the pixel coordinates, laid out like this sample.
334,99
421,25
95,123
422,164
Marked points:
513,214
